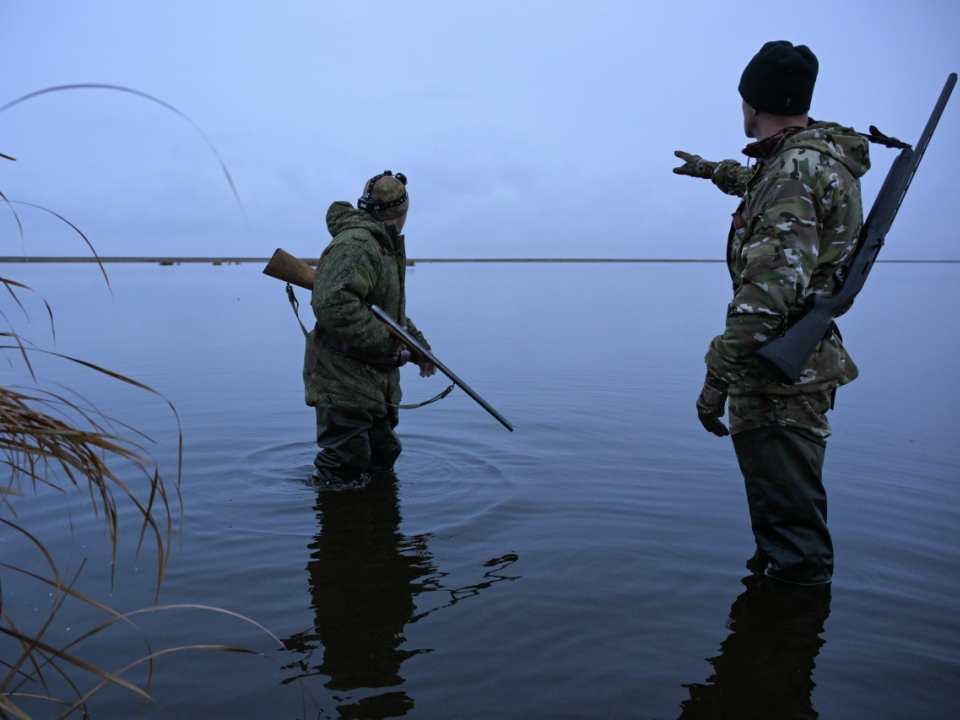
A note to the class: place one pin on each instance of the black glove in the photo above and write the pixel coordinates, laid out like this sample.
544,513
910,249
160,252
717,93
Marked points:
694,165
710,405
401,356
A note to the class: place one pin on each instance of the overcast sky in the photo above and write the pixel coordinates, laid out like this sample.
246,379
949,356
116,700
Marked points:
527,129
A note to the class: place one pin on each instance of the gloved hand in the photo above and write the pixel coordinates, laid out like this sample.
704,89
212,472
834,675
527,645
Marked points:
694,165
710,405
401,356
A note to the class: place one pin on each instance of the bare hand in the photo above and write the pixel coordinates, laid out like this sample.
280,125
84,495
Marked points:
694,165
427,368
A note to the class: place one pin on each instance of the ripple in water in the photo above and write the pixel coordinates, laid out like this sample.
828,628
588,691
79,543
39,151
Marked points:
448,483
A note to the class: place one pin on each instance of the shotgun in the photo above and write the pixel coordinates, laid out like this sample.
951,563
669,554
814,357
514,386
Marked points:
788,353
284,266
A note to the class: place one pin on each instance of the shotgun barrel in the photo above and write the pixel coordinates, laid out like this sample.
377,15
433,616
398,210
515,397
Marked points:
411,342
787,354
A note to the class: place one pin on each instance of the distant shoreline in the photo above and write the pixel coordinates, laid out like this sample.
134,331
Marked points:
410,261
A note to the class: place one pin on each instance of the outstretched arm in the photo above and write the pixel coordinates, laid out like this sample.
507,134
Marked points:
728,175
732,177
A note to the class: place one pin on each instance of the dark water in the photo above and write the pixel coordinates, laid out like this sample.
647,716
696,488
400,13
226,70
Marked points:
590,565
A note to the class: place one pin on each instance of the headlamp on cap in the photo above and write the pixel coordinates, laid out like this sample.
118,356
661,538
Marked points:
375,206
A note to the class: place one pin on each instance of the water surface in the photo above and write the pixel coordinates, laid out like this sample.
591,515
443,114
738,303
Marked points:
589,565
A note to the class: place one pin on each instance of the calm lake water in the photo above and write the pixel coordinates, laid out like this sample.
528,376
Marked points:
589,565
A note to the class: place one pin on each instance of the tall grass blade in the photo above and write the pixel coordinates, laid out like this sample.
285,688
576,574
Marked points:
151,98
77,230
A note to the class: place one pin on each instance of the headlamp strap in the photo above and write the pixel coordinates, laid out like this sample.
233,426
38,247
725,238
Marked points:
368,204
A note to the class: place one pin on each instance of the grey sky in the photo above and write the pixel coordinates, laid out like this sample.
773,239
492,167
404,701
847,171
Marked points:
533,129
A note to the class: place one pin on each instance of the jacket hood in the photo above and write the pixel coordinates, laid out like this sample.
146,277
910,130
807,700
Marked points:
843,144
342,216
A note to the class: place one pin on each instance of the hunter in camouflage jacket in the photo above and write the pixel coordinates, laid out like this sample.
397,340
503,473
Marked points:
796,226
364,264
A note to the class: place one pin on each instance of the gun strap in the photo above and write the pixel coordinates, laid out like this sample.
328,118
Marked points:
875,136
328,366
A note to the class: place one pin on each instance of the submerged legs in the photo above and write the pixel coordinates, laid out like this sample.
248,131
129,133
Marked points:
782,470
352,441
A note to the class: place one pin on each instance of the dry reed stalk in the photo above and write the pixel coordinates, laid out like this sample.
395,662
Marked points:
49,440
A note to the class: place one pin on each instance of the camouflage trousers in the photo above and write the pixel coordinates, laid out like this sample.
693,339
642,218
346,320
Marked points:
783,474
353,441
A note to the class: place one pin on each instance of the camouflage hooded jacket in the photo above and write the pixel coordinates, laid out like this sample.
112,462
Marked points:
364,263
796,226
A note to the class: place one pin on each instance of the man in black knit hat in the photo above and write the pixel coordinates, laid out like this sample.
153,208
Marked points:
797,223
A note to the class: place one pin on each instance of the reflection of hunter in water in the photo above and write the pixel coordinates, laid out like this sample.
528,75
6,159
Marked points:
364,575
765,667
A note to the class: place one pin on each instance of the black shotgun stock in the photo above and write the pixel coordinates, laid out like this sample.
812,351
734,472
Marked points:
411,342
787,354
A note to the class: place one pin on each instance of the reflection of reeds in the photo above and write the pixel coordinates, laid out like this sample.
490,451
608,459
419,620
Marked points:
49,440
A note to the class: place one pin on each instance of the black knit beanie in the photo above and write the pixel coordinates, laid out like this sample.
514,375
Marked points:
780,79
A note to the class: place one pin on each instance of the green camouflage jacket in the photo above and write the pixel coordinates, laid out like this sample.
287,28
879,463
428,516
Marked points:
796,226
364,263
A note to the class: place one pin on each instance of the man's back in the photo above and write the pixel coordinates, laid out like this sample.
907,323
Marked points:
797,224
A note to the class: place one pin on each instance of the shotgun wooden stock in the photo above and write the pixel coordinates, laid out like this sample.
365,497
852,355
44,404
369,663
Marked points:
284,266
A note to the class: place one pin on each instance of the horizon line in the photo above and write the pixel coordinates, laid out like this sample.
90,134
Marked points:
170,260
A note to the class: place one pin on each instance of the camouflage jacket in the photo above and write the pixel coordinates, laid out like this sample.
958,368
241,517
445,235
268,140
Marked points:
796,226
364,263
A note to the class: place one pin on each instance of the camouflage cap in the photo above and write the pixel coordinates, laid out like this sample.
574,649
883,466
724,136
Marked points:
385,196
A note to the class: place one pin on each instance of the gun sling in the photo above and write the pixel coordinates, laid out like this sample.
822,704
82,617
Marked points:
331,341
